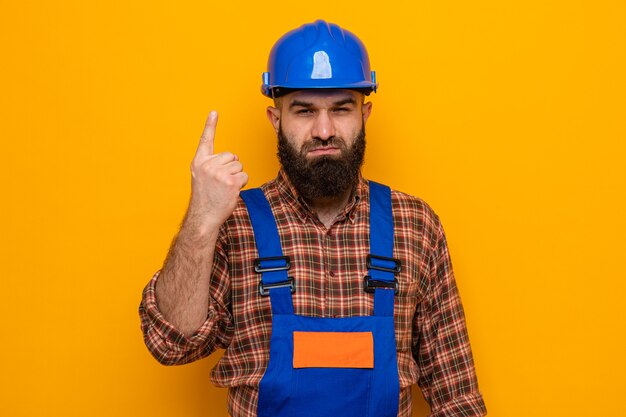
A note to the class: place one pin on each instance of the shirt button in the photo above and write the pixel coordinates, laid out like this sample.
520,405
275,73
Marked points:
331,273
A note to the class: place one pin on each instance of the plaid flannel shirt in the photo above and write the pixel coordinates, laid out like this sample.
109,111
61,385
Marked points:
328,265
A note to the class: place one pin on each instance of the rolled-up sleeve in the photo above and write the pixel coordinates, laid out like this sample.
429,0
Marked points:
170,346
442,348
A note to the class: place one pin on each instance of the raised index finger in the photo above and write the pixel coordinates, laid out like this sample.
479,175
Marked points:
205,147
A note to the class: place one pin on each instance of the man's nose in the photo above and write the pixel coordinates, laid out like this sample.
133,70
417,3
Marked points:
323,127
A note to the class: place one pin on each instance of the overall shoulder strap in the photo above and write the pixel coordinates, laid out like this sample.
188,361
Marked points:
271,263
381,265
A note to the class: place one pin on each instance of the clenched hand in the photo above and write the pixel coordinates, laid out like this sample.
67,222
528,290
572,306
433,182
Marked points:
216,181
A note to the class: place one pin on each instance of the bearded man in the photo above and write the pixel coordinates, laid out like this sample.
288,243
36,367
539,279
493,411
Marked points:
330,294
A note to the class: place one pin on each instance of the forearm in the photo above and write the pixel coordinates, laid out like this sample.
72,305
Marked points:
166,343
182,290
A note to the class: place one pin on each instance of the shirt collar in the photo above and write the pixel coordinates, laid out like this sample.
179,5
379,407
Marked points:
289,194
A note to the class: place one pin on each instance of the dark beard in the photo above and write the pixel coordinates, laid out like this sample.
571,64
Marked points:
324,176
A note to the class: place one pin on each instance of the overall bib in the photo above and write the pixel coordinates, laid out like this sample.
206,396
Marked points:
324,367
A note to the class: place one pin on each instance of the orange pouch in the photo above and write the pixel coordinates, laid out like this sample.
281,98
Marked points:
333,350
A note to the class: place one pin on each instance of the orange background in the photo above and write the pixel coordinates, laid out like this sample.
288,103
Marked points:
508,117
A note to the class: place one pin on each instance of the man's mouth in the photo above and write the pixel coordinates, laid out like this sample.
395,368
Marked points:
325,150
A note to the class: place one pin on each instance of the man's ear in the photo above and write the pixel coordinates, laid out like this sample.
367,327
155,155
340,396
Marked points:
366,109
273,115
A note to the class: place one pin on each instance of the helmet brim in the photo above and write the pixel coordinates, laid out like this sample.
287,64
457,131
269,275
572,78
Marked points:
274,91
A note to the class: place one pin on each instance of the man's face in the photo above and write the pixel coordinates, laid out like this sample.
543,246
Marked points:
321,139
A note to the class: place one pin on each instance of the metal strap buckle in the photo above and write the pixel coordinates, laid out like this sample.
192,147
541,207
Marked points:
264,288
370,285
259,269
395,269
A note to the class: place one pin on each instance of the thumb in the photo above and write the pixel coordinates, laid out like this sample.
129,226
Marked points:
205,147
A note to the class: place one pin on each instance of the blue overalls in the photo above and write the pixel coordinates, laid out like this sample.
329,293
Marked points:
323,367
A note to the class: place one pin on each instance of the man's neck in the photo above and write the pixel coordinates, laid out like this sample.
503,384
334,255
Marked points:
327,209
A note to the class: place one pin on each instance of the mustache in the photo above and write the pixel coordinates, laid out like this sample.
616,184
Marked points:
316,143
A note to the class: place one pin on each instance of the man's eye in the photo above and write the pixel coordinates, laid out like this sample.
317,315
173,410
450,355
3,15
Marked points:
342,109
304,111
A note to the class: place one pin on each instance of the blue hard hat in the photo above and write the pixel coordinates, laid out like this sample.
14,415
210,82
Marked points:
318,55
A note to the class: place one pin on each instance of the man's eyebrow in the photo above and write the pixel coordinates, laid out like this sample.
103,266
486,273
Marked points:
307,104
347,100
299,103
